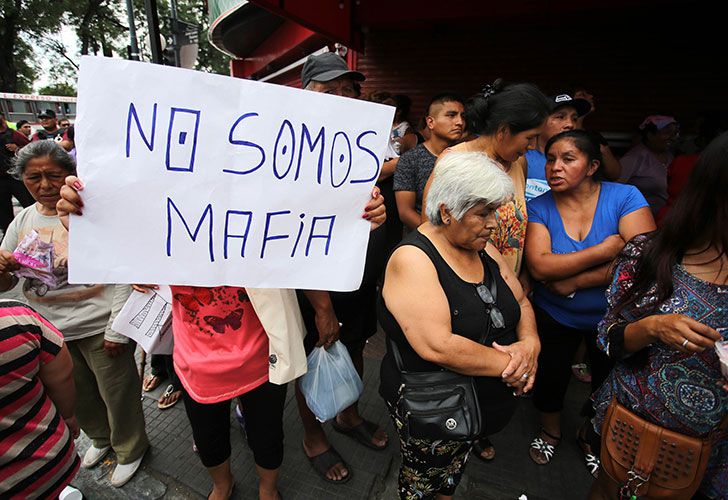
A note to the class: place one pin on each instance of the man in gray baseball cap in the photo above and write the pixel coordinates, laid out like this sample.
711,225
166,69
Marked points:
328,73
347,316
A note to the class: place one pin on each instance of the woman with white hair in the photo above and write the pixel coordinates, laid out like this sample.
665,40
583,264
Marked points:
448,304
507,120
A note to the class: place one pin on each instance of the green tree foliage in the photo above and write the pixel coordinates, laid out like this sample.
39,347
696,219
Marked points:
109,28
100,25
65,89
209,59
102,29
62,79
22,22
26,69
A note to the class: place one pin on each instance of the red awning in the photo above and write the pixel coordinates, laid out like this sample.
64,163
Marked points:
267,36
348,21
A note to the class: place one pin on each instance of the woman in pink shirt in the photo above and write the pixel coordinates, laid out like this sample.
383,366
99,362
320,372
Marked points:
222,351
645,165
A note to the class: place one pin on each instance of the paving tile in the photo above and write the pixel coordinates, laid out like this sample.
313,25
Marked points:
173,469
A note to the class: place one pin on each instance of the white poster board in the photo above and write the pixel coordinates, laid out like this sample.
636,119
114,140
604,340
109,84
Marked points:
200,179
146,318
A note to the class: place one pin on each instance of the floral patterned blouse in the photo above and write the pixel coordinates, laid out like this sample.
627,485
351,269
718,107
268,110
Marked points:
674,389
512,219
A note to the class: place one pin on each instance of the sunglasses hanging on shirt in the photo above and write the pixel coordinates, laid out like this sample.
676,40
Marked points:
487,296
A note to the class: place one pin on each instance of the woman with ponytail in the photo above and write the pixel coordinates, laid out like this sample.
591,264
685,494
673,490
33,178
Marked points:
507,120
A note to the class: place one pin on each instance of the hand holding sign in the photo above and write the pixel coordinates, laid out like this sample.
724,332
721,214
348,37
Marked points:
375,212
237,183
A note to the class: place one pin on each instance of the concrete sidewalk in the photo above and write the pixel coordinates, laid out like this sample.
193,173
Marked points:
171,470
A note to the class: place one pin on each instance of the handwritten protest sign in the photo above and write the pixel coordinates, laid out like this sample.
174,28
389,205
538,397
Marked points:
199,179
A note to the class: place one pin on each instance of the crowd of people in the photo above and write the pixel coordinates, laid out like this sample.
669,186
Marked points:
504,236
11,141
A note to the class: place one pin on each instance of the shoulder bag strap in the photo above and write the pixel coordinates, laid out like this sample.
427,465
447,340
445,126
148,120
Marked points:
490,275
395,353
492,285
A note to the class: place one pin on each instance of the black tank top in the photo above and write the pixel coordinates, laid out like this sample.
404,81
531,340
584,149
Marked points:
469,318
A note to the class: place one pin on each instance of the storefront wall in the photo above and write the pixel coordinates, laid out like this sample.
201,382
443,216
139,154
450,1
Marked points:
629,77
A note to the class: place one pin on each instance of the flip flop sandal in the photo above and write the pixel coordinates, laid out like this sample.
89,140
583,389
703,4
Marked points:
593,464
229,496
363,433
325,461
592,461
151,382
480,445
543,448
168,393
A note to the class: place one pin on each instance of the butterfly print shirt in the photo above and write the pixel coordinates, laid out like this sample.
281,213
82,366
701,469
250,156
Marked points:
220,347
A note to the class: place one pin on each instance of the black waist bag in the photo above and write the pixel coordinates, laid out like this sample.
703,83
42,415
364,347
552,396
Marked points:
441,405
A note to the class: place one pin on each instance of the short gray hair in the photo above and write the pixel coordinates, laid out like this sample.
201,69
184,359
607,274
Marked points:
463,180
39,149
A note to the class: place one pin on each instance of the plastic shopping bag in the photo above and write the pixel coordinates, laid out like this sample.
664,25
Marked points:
36,258
331,382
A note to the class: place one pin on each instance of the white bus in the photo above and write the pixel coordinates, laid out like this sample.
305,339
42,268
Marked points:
18,107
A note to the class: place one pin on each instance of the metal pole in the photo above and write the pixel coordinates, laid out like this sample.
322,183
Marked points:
132,31
153,21
175,45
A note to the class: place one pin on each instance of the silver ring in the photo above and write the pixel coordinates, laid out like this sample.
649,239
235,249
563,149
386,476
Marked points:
525,376
685,342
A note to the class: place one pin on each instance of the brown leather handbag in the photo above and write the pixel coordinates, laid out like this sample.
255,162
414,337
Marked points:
650,461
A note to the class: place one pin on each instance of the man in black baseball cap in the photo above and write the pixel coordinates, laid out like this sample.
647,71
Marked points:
353,312
50,127
581,106
48,113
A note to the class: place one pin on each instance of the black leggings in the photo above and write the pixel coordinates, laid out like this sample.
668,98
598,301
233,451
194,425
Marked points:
558,346
263,409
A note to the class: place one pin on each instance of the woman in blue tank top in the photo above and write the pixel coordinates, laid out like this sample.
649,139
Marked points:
574,232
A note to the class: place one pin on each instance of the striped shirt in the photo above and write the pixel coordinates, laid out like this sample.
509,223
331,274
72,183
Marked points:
37,455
